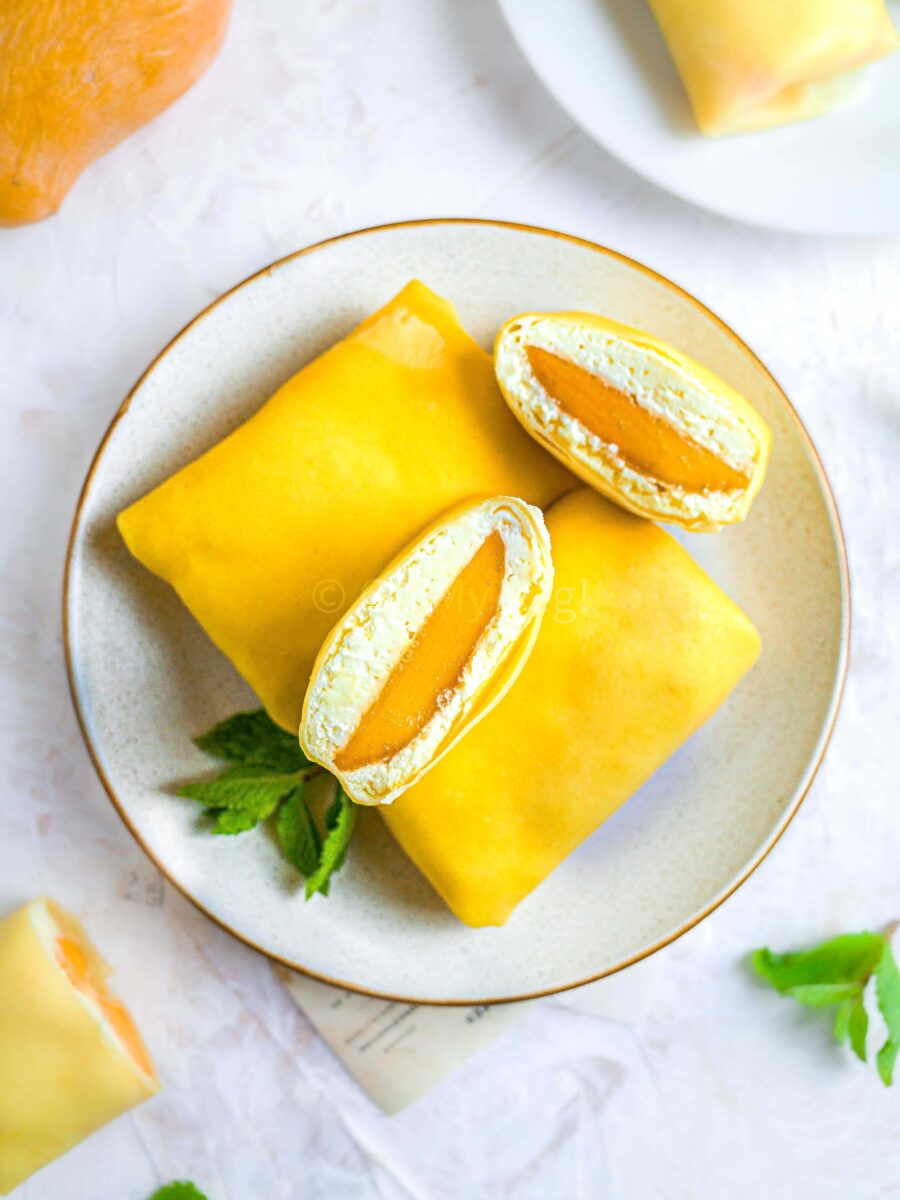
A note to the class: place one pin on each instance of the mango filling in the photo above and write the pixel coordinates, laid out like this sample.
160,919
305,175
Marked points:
73,960
645,441
433,665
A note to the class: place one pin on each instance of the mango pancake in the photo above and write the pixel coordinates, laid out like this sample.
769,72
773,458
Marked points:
271,534
638,647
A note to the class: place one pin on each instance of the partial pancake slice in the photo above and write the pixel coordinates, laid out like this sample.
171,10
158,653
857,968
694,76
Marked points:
633,417
87,973
429,648
749,66
71,1058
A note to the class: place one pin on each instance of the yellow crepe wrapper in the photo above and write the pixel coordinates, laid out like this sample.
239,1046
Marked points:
271,534
429,648
70,1059
634,417
638,647
752,64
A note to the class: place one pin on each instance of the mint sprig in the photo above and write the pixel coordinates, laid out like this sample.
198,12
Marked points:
178,1191
267,777
340,822
836,973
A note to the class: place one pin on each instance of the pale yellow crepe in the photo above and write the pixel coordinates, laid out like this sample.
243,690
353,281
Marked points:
70,1058
751,64
270,536
637,648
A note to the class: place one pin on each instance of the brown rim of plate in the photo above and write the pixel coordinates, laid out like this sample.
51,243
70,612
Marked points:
837,695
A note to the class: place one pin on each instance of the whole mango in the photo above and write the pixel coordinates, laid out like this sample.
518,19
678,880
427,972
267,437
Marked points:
78,76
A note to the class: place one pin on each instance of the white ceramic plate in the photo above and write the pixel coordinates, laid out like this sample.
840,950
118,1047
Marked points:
606,63
145,678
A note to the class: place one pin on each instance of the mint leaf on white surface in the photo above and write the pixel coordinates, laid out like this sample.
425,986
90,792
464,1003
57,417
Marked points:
887,990
837,973
178,1191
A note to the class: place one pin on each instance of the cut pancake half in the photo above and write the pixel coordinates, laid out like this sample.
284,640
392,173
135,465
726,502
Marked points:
429,648
634,418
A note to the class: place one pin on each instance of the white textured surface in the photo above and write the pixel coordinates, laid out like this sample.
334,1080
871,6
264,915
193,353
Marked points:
321,117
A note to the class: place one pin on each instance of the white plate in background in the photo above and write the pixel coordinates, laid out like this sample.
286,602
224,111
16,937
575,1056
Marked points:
606,63
145,678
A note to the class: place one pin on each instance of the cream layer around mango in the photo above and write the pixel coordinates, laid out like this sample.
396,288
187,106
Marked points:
429,648
633,417
752,64
71,1058
638,647
271,534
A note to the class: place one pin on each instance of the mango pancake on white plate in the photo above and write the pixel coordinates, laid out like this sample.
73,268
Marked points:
544,859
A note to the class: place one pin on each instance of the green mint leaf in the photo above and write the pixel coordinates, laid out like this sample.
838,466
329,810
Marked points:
254,740
241,797
297,833
852,1022
231,821
335,808
887,993
237,785
178,1191
886,1058
821,995
858,1028
842,1021
848,959
340,821
837,973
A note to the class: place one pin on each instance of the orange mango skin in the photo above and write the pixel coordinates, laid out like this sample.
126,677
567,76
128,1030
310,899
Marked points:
346,463
78,76
638,647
